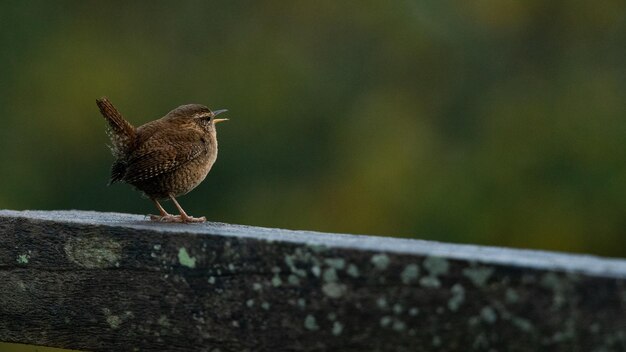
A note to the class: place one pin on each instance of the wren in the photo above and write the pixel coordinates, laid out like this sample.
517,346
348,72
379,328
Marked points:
165,158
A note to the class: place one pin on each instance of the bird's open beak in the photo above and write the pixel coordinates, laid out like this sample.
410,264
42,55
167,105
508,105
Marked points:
217,112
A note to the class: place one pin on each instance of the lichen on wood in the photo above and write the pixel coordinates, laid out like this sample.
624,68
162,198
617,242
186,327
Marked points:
101,282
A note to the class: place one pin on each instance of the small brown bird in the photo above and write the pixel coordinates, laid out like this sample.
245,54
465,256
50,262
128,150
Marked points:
165,158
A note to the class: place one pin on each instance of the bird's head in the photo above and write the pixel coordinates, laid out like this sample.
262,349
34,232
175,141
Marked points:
205,114
199,113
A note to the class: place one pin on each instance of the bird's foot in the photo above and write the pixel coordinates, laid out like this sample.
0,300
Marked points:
187,218
176,218
165,218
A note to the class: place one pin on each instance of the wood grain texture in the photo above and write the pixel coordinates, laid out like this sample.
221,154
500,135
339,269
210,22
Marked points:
116,282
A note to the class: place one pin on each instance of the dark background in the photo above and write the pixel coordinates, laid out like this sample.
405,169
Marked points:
492,122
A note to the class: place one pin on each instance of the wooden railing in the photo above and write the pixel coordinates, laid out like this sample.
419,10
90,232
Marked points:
117,282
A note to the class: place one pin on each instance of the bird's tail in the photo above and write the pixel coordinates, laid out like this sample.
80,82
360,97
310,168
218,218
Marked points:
121,132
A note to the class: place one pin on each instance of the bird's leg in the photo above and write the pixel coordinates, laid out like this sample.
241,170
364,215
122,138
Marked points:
165,216
183,216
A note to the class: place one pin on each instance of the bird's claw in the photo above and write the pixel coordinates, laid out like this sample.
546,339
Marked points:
176,218
192,219
165,218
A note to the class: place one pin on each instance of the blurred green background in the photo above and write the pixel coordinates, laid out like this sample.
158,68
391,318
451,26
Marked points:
491,122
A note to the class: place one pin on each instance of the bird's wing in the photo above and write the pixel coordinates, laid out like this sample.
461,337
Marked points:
150,162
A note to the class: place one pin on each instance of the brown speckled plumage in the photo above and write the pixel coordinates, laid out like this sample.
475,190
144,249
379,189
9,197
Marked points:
164,158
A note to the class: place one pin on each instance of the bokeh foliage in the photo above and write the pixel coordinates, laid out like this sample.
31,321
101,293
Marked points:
494,121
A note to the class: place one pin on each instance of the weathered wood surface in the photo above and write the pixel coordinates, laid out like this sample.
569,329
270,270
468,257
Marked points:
115,282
